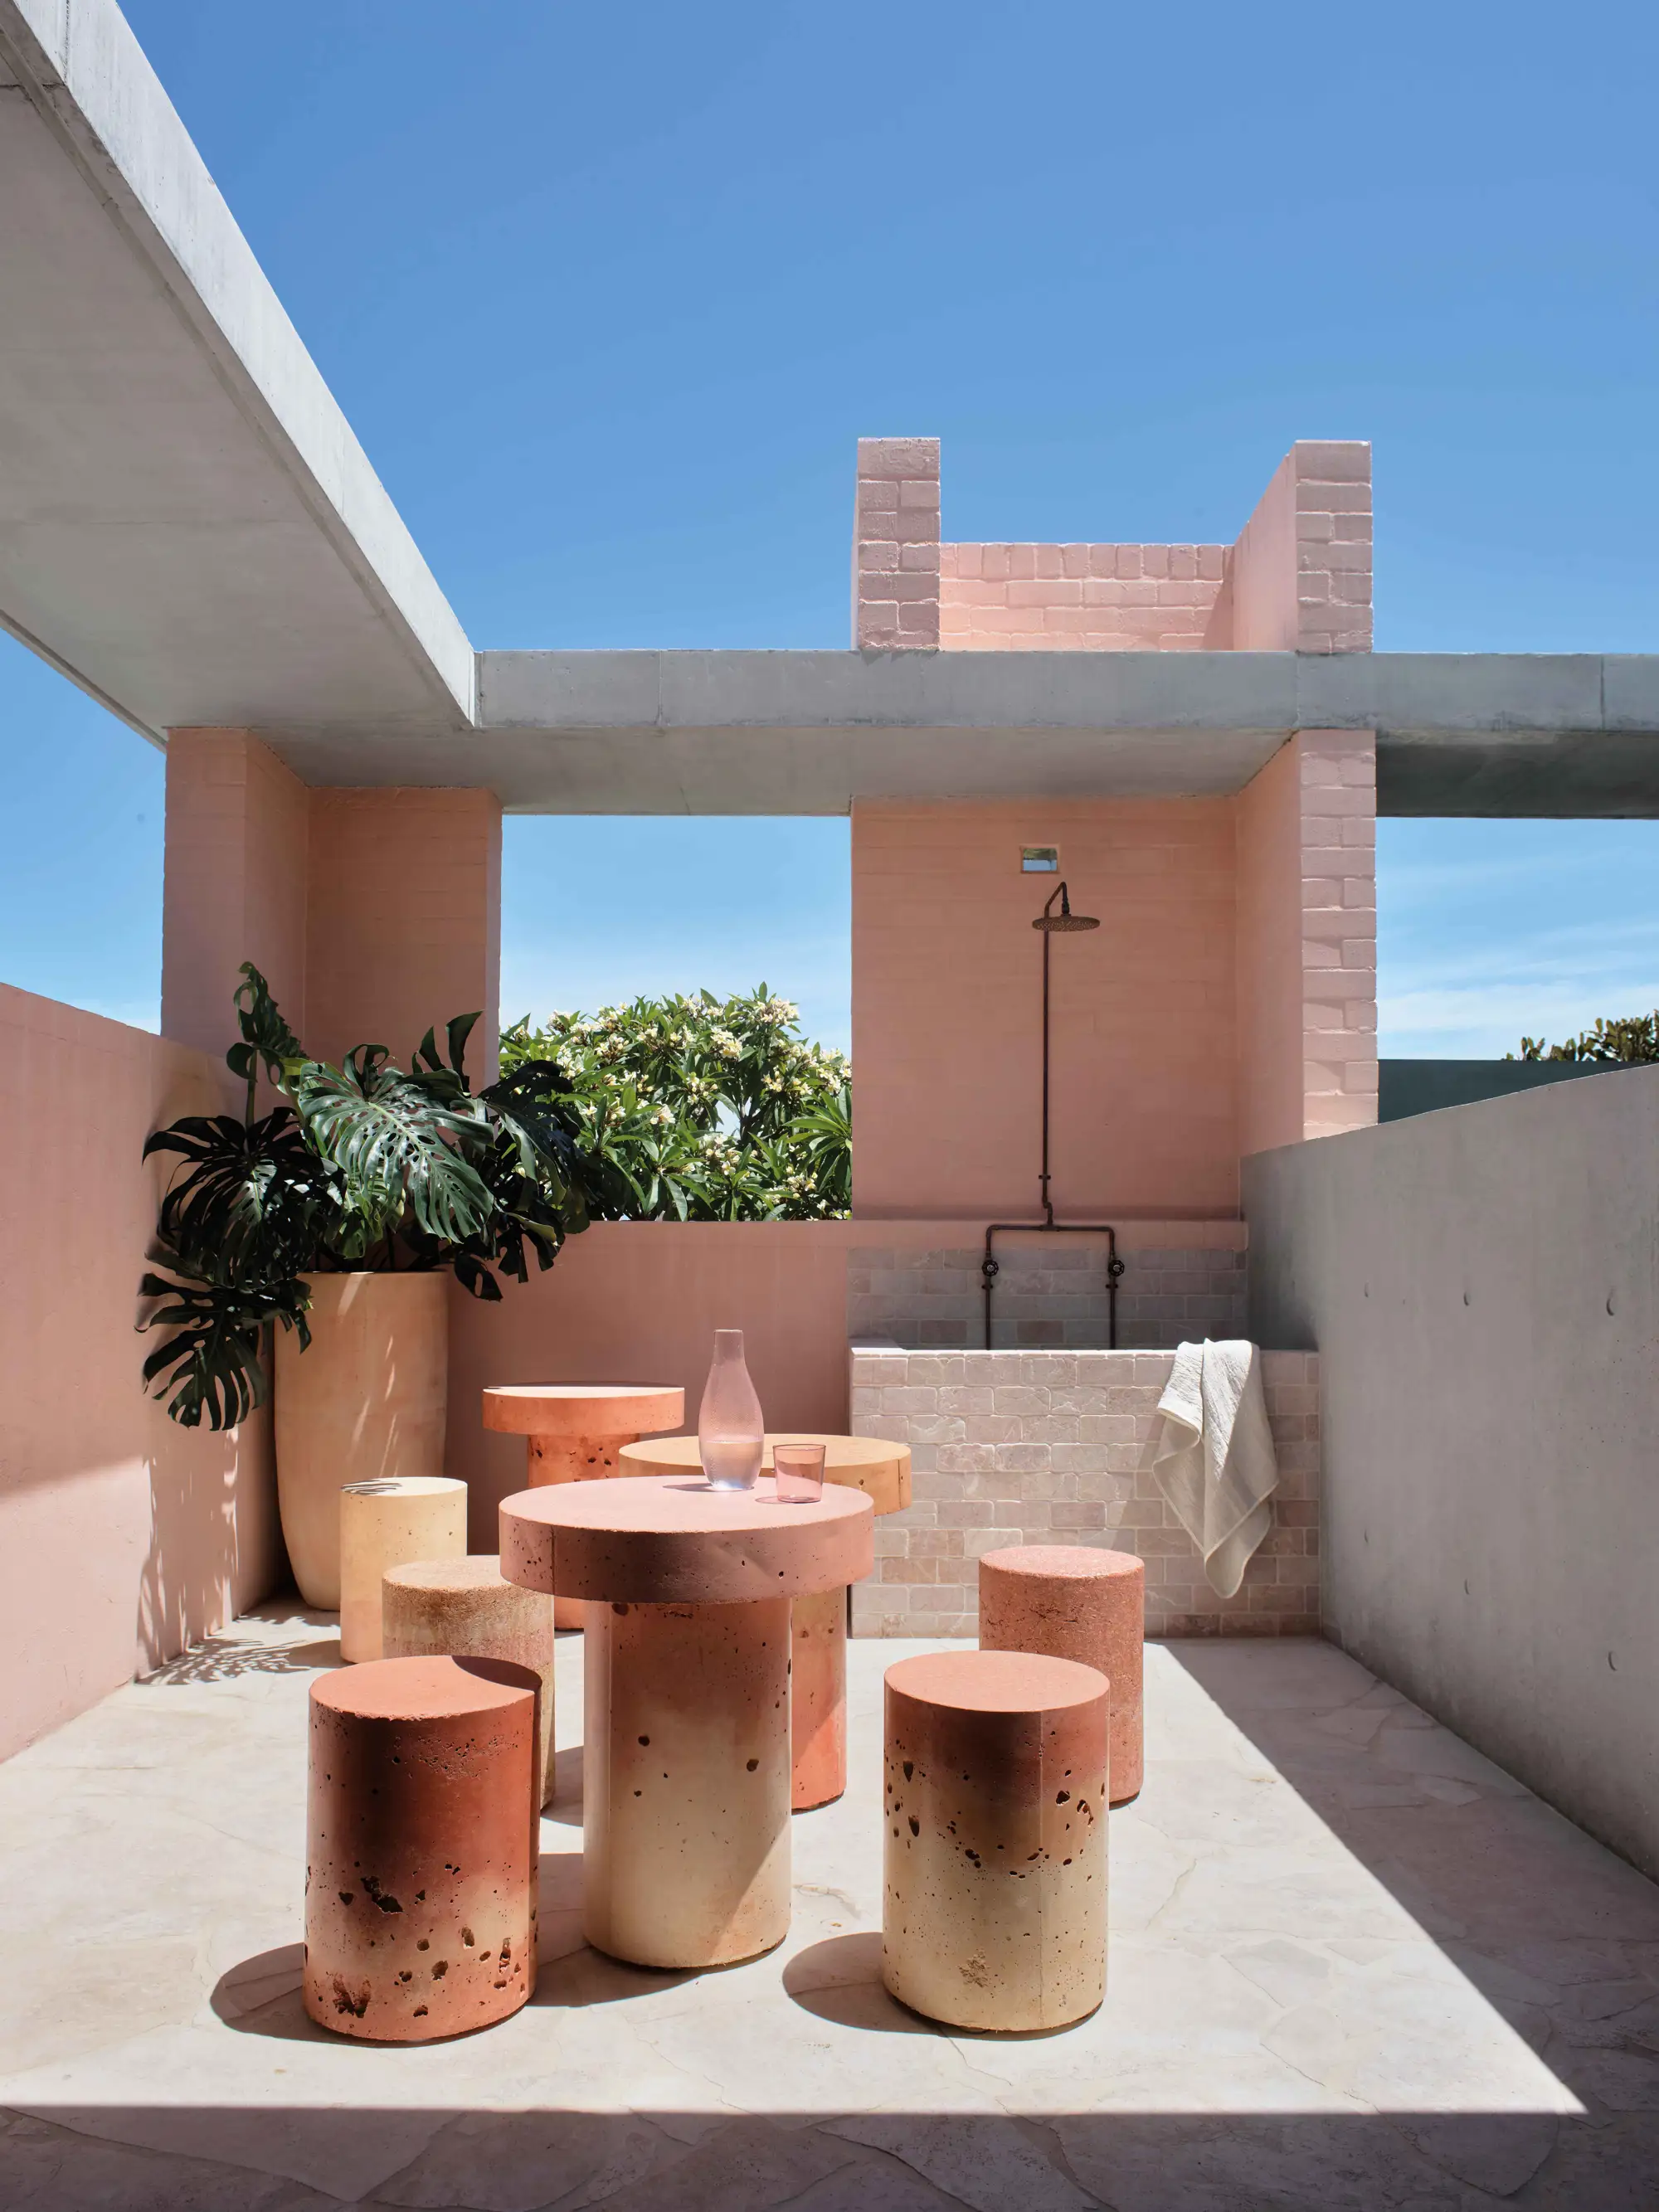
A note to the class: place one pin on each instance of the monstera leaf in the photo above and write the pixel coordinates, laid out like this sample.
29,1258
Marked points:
251,1199
211,1363
393,1147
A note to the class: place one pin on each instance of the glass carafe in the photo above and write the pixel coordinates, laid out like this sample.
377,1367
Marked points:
730,1433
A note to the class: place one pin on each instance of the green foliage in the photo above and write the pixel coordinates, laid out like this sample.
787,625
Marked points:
702,1109
367,1165
1633,1043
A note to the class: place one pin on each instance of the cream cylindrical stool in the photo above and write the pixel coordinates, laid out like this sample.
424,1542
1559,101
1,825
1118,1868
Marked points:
573,1432
467,1608
685,1782
383,1524
994,1915
817,1681
421,1848
1075,1602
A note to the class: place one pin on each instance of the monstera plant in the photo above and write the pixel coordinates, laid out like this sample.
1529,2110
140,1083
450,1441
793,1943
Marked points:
363,1168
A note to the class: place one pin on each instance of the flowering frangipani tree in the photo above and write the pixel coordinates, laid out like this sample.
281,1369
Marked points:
711,1109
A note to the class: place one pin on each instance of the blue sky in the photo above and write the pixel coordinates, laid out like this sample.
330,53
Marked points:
609,294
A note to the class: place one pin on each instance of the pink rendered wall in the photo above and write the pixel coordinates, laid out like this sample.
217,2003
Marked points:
946,1019
404,926
236,865
639,1301
1307,941
1097,599
122,1536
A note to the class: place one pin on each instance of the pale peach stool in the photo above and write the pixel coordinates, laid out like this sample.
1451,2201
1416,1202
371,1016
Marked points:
1074,1601
817,1677
467,1608
686,1750
994,1910
573,1432
382,1524
421,1853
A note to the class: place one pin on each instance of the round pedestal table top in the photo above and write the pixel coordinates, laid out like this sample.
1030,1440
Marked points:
583,1409
670,1539
878,1467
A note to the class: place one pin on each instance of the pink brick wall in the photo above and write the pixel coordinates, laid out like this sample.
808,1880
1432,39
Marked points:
896,564
1098,599
946,1019
1052,1448
1298,579
1307,941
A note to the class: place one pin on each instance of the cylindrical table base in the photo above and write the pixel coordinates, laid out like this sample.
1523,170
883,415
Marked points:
817,1699
685,1783
572,1459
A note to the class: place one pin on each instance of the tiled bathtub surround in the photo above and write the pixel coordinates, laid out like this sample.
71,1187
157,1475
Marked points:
1049,1291
1052,1448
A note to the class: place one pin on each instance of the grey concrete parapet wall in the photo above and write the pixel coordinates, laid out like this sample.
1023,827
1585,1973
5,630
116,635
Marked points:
1482,1287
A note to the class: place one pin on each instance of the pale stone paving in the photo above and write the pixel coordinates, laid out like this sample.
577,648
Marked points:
1353,1965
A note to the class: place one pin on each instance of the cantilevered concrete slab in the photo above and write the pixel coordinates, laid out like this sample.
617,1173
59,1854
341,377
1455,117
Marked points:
809,733
188,527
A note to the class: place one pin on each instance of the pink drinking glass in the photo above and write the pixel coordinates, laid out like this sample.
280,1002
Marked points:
799,1472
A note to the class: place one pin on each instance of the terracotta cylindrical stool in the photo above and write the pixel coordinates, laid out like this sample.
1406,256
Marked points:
575,1431
994,1915
421,1848
881,1470
385,1524
1073,1601
686,1755
685,1782
467,1608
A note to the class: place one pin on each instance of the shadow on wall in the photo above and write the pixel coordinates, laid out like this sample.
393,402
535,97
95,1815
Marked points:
214,1543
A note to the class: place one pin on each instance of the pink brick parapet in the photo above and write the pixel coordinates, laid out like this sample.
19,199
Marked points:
1297,579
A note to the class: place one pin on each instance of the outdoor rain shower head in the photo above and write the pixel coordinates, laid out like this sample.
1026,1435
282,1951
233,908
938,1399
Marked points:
1065,920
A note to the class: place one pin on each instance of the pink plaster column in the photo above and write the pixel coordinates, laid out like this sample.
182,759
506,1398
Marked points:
237,870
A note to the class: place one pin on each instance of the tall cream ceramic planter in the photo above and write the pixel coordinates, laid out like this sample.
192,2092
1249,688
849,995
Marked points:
368,1399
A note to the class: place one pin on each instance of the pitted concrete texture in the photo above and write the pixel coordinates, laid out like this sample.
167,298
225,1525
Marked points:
1353,1965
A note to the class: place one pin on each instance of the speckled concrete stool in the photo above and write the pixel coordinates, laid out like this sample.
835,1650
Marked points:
383,1524
994,1913
685,1753
818,1674
468,1609
573,1432
421,1848
1073,1602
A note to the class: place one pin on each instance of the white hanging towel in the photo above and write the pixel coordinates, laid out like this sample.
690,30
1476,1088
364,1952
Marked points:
1213,1454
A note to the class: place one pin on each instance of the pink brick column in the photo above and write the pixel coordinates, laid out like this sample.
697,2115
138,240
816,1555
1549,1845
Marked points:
1299,578
896,567
237,841
1307,941
405,919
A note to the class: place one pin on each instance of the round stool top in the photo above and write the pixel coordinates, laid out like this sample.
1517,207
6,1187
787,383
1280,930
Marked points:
402,1485
1063,1562
424,1689
582,1409
670,1539
880,1469
477,1571
996,1681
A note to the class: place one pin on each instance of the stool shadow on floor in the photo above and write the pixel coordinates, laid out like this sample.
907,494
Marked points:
840,1980
261,1996
565,1806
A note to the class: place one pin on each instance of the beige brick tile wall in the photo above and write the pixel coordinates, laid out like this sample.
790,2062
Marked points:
1050,1447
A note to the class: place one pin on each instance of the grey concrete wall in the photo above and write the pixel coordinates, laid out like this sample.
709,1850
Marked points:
1423,1086
1482,1287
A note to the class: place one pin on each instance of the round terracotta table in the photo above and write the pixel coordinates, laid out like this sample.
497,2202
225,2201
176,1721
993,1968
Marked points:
817,1682
574,1430
685,1761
